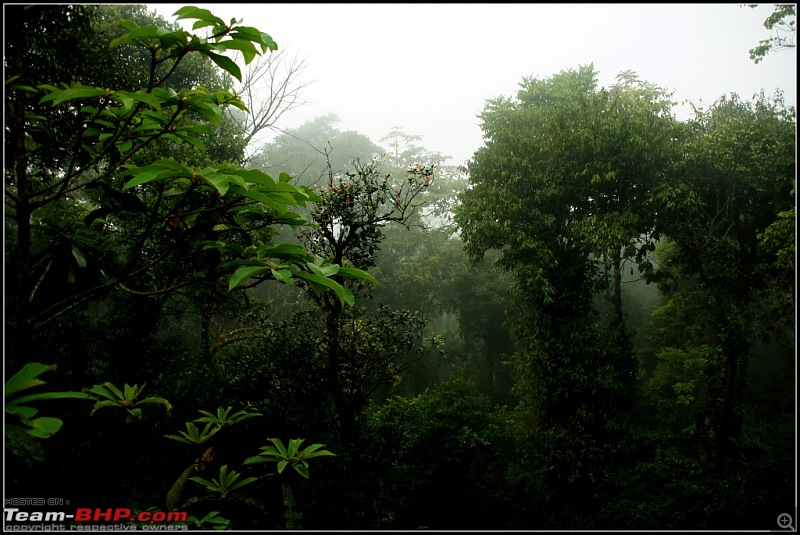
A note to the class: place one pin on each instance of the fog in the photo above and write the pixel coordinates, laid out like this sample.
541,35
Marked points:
429,68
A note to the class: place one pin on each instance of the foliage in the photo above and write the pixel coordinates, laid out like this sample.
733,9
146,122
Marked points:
404,150
781,22
213,518
162,210
226,483
27,377
563,189
290,455
214,422
224,417
120,184
735,179
127,398
193,435
139,252
355,206
316,147
448,441
568,166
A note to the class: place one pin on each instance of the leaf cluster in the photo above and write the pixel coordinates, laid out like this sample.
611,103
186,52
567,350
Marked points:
289,455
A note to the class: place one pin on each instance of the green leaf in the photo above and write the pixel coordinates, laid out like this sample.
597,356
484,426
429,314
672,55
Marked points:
157,170
279,446
22,412
212,112
256,176
103,404
155,401
301,469
260,459
245,47
241,483
257,196
271,450
79,91
286,251
206,483
344,294
79,258
155,117
103,390
138,96
27,377
180,439
44,396
323,453
225,63
191,140
244,273
191,12
324,271
282,275
311,452
131,391
220,182
356,273
136,36
143,177
45,427
249,33
294,446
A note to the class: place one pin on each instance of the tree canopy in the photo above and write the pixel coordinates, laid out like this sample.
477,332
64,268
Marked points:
589,325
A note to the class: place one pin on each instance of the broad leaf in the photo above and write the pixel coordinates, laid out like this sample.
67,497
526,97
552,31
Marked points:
27,377
244,273
45,427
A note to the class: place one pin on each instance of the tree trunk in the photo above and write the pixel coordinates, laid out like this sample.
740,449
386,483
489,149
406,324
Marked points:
618,291
735,352
23,209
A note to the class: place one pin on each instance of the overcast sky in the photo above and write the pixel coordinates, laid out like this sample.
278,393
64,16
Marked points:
429,68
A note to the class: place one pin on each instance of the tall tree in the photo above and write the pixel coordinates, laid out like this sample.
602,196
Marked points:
562,188
736,185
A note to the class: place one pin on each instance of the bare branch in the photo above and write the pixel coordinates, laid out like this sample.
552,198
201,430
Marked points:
271,86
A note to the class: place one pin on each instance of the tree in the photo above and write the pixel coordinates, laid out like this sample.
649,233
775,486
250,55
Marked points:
618,145
561,188
271,87
349,219
736,183
118,207
785,28
404,150
83,164
481,296
311,150
475,465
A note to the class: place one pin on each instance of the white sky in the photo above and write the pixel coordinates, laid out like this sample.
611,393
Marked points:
429,68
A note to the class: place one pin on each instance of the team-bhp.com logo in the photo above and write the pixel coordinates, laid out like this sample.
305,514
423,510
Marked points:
119,517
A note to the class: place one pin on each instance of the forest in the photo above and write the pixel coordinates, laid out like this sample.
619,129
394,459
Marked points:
589,325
